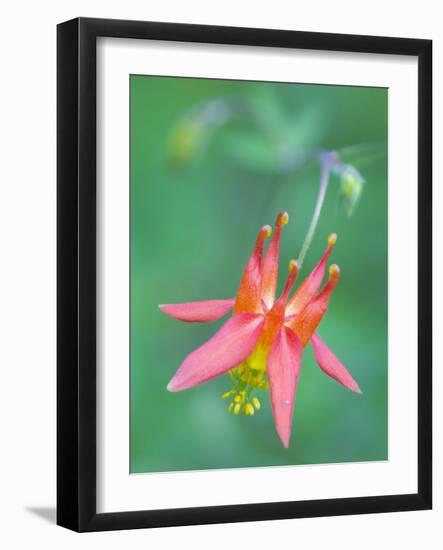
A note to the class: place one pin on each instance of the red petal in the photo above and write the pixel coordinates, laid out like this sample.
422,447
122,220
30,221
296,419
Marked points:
225,350
270,264
283,369
309,287
305,323
249,293
198,312
331,365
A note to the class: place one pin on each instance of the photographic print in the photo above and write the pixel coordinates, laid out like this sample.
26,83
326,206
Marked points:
258,274
244,268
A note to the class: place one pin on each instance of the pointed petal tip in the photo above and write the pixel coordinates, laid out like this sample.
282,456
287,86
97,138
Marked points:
171,386
354,387
175,386
285,439
350,385
284,433
332,366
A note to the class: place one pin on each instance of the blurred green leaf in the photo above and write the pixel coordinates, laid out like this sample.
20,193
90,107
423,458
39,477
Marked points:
251,150
362,155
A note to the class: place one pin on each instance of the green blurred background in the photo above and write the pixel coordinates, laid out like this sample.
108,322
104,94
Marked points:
198,196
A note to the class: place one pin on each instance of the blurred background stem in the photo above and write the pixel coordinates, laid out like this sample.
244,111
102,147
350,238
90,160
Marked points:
327,161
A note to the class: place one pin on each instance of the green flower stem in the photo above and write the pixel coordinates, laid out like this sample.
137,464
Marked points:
327,161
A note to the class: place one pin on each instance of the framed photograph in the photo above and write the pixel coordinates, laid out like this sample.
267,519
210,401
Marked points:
244,274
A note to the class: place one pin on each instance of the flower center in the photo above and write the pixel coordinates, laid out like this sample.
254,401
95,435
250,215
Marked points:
251,374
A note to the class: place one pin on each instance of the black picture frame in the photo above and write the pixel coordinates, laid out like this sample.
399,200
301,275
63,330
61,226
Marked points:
76,273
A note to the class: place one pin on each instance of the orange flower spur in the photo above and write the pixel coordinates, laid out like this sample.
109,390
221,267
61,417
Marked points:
261,345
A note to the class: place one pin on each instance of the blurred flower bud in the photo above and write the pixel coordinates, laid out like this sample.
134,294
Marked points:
351,187
192,133
185,141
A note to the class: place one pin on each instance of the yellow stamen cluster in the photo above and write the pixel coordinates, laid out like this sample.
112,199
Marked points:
245,380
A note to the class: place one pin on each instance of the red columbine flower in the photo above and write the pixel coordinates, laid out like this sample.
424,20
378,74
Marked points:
262,343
